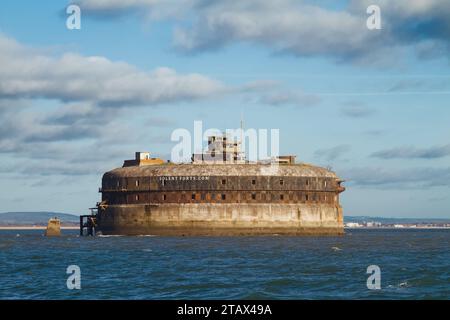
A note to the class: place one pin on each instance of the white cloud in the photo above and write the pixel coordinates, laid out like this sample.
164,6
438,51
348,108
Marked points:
272,93
73,77
149,9
99,5
376,177
90,96
284,25
334,153
411,152
301,28
357,111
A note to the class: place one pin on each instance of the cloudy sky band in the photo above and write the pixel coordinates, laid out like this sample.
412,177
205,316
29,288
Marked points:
72,107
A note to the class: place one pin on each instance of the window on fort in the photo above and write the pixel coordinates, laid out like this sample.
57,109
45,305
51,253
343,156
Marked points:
136,197
306,197
281,196
253,181
307,182
193,196
253,196
118,183
224,181
137,183
213,196
223,196
203,197
325,183
281,182
164,197
163,182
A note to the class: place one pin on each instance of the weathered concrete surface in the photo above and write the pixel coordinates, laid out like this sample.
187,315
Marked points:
222,219
298,170
53,228
221,199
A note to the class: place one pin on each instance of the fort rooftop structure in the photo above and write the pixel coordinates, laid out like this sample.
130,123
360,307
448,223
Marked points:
219,193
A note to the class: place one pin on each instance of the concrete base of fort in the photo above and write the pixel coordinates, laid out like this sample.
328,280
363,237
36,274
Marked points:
174,219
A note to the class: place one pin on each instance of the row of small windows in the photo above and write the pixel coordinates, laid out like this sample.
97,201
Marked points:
224,182
243,196
224,197
203,196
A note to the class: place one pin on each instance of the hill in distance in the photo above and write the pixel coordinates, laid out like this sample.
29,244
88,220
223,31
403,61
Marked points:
42,217
384,220
35,218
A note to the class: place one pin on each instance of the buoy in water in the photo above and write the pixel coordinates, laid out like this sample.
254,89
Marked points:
53,228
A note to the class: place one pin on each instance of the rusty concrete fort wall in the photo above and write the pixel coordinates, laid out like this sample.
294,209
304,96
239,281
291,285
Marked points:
220,199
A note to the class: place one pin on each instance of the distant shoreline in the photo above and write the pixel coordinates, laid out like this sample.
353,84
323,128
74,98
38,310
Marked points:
346,228
35,227
393,228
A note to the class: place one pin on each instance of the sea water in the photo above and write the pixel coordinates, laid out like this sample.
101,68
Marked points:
413,264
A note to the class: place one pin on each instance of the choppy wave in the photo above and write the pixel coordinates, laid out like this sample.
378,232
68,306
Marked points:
414,264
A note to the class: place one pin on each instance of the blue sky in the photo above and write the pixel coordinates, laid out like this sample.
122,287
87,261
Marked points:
372,104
